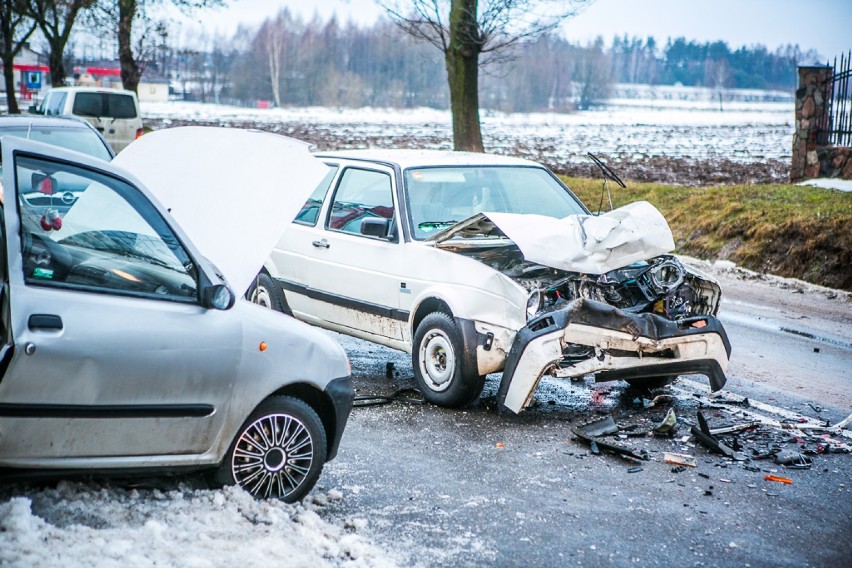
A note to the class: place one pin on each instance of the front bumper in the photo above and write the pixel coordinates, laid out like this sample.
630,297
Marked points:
622,345
341,393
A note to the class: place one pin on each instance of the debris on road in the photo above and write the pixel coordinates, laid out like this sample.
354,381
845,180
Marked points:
679,459
784,480
668,426
591,431
703,435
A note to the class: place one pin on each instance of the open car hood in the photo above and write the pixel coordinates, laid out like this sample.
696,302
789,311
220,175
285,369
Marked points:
589,244
233,192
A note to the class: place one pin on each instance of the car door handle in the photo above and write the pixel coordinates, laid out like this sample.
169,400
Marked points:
321,244
45,322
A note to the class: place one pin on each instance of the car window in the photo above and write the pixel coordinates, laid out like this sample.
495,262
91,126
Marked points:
120,106
310,210
56,103
104,104
360,194
88,231
77,137
440,197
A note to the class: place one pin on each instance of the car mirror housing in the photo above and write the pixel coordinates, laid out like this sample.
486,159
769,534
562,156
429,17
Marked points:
218,297
375,227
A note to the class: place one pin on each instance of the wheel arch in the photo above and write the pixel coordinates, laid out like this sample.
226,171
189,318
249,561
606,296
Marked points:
322,405
426,307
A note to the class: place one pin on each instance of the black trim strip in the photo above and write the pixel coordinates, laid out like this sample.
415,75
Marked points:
344,301
106,410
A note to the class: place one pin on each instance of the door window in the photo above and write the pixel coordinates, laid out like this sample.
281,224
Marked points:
56,103
104,104
85,230
361,194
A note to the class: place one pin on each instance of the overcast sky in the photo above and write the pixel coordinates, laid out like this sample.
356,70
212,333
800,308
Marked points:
824,25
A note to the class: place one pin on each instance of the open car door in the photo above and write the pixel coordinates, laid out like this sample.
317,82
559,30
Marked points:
109,351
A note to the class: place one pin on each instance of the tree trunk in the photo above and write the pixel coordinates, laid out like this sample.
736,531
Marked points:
9,78
57,66
462,58
130,71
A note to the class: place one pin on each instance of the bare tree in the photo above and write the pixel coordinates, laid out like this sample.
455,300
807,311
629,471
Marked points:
55,19
15,29
124,16
471,33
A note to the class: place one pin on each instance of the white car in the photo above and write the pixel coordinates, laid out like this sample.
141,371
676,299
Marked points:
477,263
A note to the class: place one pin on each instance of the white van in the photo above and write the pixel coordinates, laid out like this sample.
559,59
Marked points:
113,112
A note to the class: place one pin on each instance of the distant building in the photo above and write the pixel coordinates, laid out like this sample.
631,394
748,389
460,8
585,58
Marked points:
31,75
153,87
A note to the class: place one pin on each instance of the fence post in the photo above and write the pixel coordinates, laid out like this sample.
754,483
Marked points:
812,119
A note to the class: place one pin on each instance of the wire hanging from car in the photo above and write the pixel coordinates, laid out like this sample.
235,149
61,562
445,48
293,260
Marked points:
608,174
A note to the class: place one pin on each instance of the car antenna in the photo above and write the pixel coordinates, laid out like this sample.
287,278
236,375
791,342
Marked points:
29,129
608,174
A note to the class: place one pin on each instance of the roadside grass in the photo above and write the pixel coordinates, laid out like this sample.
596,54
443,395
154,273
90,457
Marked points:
795,231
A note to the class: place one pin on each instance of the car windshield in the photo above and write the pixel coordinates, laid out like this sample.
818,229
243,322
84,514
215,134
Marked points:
77,138
440,197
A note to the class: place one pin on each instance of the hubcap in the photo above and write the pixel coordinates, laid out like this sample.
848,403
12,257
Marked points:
437,360
272,456
260,296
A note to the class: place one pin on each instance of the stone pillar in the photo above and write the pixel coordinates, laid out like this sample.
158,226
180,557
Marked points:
811,117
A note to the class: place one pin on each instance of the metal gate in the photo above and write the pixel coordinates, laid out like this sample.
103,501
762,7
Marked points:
838,127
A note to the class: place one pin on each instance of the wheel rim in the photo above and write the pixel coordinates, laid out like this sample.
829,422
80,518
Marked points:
272,456
437,360
260,296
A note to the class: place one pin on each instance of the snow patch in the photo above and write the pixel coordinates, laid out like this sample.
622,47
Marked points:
830,183
78,525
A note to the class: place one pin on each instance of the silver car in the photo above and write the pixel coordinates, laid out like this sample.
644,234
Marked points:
124,348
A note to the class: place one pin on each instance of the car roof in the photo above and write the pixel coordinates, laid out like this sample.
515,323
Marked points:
419,158
57,121
92,90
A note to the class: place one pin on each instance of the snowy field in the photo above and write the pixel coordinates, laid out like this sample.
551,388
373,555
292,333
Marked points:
754,139
85,526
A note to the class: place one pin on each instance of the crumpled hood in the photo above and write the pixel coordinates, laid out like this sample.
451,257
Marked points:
589,244
233,192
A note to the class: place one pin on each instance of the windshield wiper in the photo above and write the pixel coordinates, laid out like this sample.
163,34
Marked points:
428,225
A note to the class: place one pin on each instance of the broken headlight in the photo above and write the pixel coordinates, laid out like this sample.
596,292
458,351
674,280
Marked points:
666,276
533,303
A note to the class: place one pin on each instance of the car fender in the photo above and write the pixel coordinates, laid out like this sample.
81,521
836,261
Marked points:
277,351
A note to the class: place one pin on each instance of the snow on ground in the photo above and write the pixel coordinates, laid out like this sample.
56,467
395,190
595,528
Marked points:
745,132
830,183
84,525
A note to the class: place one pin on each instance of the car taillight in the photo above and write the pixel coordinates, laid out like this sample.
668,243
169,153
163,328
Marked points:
139,133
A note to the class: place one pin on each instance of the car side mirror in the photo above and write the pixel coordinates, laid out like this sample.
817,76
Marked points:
33,109
217,297
375,227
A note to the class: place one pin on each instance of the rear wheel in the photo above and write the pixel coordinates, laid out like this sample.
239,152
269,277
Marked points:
278,452
439,363
264,292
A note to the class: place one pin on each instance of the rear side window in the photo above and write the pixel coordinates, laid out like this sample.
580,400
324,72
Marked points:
310,210
108,105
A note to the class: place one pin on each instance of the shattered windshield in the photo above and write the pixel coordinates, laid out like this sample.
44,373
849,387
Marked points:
440,197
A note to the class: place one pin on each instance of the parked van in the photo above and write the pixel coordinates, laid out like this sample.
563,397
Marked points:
113,112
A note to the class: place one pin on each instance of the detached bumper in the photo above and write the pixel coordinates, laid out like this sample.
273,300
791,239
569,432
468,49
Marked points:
621,345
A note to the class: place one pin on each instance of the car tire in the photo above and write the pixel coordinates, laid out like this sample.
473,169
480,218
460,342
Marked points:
265,292
439,363
278,452
650,383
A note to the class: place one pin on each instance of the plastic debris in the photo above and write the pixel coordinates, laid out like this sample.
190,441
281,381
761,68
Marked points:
785,480
668,426
703,435
791,457
679,459
635,469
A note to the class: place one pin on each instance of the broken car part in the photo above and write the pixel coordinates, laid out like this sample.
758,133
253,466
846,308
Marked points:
679,459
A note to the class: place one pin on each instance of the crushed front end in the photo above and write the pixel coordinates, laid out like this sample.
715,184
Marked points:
651,319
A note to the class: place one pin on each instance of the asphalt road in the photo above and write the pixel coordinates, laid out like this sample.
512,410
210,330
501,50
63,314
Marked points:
478,487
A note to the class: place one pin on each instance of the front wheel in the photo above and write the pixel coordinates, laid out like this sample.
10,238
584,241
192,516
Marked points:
278,452
439,364
264,292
